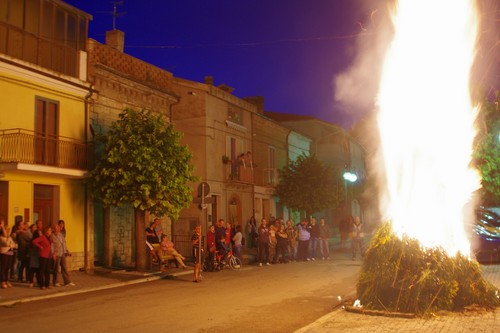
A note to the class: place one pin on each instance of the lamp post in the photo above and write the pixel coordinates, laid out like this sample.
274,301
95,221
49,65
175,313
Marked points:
351,178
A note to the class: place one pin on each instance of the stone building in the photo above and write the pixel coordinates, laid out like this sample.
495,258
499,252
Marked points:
120,81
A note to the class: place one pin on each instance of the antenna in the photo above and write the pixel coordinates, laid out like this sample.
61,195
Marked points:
115,14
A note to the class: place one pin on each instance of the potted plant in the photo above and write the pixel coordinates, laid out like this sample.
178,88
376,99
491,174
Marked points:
226,159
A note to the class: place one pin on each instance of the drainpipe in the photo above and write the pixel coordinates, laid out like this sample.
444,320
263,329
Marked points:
87,247
171,121
288,159
253,184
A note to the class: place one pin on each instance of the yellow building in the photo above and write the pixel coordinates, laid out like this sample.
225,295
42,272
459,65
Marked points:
43,118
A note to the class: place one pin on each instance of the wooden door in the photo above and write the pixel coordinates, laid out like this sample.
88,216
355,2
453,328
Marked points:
46,132
43,204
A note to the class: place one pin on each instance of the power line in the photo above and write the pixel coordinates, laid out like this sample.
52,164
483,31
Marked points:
278,41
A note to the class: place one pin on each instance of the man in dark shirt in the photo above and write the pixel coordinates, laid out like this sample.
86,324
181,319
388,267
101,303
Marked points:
314,241
220,232
151,235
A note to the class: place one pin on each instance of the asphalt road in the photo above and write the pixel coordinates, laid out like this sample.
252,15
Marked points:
279,298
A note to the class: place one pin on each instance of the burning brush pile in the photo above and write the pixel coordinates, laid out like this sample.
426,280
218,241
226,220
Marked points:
399,275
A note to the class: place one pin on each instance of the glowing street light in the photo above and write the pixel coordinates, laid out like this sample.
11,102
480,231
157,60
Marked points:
350,177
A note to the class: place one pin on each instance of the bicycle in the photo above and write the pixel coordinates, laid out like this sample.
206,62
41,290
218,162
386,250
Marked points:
221,261
233,261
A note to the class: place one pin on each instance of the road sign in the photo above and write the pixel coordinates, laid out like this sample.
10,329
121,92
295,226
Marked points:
203,189
208,200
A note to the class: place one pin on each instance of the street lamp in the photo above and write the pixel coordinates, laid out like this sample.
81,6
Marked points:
351,178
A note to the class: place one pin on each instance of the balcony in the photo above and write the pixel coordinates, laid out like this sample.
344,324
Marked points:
239,173
27,147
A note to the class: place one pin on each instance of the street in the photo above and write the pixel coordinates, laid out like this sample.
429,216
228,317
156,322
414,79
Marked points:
279,298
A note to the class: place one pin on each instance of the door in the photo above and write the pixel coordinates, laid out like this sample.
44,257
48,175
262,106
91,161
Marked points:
46,131
44,204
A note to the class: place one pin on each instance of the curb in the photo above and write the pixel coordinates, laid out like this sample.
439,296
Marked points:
312,327
90,289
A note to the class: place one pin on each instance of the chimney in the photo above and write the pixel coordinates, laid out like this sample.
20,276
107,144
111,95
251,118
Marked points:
209,80
258,101
116,39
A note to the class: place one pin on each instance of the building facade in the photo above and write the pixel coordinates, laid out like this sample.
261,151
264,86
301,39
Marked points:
120,81
44,149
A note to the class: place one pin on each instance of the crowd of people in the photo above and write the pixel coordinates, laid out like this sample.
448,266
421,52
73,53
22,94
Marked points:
34,254
283,242
277,242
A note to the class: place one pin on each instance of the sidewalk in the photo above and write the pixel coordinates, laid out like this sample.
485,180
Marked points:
84,282
340,320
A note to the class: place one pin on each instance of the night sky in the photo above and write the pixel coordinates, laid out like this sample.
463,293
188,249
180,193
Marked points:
288,51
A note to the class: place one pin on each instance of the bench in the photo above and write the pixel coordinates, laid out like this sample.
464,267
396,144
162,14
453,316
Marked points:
163,262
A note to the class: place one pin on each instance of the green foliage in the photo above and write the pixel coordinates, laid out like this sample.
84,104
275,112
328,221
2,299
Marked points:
307,184
401,276
487,151
143,164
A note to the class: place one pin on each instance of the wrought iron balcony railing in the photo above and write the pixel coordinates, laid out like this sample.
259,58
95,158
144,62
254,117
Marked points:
24,146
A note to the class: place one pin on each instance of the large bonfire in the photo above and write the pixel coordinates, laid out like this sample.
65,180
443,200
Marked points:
420,262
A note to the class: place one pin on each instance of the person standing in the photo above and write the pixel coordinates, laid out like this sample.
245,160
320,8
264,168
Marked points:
263,243
151,236
34,265
220,232
211,245
44,252
281,244
196,241
252,232
23,237
59,253
229,232
273,241
62,227
303,236
292,240
357,235
324,236
7,246
314,240
237,238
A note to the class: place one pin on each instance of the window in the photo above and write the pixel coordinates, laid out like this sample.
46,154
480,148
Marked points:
32,16
272,157
235,115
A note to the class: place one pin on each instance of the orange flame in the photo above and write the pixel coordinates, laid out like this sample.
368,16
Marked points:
426,121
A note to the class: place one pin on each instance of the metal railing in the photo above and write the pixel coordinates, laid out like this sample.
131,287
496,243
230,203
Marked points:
184,246
24,146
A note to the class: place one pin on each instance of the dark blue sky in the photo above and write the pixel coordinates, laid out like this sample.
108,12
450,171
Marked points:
285,50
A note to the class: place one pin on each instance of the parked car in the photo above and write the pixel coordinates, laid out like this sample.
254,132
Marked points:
485,236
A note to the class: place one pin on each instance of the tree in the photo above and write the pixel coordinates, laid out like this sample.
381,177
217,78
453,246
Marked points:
144,165
307,184
487,151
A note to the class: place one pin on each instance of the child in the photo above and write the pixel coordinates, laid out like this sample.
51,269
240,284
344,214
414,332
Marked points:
224,249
